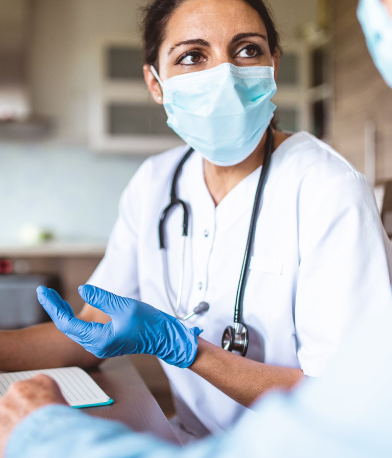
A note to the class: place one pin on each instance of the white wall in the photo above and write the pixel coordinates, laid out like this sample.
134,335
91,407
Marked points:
69,190
63,187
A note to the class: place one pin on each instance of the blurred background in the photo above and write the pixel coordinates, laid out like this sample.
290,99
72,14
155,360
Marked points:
76,122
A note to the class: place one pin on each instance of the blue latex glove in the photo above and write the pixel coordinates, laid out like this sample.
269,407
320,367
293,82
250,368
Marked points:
135,327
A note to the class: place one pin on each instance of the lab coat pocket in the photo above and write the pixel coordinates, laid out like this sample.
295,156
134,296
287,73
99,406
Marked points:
267,265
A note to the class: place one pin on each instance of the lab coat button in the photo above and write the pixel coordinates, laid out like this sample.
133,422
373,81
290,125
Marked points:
206,233
200,285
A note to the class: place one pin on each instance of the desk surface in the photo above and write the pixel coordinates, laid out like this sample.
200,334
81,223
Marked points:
134,404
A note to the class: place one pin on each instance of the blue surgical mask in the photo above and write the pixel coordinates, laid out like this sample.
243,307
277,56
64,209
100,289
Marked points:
377,26
223,112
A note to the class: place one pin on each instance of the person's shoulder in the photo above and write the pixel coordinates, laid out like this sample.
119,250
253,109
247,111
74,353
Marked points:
306,152
311,161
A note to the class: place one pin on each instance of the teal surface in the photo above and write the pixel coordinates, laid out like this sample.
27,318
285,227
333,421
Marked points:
107,403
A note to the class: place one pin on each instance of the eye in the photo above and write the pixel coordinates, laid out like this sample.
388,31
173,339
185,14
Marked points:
190,58
250,51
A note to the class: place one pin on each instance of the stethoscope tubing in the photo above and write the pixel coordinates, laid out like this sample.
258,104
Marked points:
175,201
238,309
176,307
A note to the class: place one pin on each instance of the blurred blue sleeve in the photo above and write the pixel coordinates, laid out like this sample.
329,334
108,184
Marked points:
59,431
345,414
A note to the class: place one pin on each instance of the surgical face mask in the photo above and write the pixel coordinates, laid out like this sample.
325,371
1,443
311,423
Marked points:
223,112
377,26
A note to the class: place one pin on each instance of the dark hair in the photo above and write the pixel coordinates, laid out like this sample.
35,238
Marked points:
157,14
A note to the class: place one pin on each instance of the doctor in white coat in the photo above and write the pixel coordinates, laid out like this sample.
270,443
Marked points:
319,258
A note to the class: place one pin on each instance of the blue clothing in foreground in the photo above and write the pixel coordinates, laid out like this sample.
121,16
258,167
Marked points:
377,26
346,414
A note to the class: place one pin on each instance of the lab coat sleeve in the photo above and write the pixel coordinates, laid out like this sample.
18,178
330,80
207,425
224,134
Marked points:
343,271
117,271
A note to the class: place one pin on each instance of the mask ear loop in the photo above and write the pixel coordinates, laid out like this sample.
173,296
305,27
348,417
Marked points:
155,73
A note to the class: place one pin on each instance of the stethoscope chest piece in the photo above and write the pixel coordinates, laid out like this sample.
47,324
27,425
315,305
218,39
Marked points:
236,339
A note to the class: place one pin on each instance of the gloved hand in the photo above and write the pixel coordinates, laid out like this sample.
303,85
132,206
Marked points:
135,327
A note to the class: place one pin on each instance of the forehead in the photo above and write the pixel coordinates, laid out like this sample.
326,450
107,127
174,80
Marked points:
212,20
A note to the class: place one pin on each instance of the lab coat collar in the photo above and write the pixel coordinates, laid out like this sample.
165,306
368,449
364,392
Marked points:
239,201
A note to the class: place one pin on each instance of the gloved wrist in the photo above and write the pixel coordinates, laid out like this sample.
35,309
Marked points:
186,344
178,345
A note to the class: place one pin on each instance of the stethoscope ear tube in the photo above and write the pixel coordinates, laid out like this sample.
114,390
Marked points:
162,221
174,201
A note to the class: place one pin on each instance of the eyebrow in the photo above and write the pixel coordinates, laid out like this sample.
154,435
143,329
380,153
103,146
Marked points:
201,42
195,41
241,36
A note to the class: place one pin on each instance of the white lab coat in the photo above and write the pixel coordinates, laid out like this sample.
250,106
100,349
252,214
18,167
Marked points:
320,261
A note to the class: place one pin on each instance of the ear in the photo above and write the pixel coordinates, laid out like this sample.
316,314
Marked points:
153,85
276,58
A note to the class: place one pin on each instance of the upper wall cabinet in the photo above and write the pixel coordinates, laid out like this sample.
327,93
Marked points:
123,116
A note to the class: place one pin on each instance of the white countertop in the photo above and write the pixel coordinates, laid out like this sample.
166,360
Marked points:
53,249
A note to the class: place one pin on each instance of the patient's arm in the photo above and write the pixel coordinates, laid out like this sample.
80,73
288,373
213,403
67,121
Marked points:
43,346
388,4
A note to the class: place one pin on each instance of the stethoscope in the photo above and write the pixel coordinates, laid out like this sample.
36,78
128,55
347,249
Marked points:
235,338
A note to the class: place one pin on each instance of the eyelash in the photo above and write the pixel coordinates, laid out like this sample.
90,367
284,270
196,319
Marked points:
252,46
196,53
187,54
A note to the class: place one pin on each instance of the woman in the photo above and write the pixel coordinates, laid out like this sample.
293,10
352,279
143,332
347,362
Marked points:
319,258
